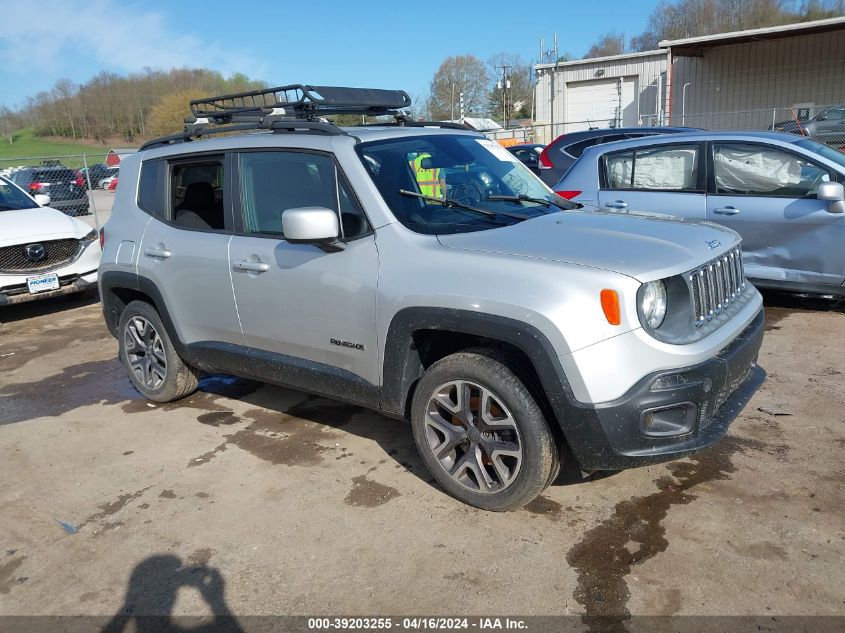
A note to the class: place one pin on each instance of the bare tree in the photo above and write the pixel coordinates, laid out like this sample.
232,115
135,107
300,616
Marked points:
689,18
612,43
458,74
9,124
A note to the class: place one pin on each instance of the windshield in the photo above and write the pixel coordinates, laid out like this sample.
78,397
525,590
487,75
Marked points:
823,150
12,198
449,173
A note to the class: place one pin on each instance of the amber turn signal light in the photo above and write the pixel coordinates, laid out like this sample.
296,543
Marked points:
610,306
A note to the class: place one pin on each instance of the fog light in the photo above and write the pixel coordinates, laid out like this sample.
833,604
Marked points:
675,419
671,381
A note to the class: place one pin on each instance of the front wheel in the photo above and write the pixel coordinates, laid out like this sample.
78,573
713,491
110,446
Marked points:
155,369
481,433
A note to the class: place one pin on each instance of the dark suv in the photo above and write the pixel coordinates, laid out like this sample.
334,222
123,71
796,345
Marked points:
559,155
65,187
827,126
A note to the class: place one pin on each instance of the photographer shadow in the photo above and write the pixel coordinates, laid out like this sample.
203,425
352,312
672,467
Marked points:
151,595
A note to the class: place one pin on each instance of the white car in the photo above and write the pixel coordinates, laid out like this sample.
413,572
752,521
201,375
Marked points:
43,252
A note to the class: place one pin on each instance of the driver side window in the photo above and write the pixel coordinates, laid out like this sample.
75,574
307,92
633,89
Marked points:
272,182
758,170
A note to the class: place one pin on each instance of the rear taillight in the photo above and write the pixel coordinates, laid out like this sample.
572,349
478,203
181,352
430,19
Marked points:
80,181
37,186
568,194
545,161
102,239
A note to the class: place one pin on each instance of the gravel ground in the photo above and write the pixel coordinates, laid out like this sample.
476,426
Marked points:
298,505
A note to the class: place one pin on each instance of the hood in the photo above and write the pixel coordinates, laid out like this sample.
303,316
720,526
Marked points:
39,223
643,247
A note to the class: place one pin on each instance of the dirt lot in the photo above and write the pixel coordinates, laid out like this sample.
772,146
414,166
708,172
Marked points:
304,506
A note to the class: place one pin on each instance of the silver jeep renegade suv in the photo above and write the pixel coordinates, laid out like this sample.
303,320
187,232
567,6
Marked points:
422,271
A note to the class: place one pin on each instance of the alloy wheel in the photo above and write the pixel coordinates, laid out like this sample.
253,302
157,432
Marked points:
473,436
145,352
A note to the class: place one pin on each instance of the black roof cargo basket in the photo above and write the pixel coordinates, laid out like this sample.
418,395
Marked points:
293,108
300,101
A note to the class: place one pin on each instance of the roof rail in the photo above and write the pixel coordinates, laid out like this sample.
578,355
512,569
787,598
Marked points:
292,108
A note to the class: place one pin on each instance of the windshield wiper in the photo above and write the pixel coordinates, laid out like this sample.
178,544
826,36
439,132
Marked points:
450,202
523,198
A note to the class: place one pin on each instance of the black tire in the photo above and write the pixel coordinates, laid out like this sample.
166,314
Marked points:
179,379
540,459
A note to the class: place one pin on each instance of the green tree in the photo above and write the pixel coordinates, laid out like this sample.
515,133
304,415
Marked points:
168,115
520,94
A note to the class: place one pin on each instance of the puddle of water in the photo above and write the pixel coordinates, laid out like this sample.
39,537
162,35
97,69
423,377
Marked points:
543,506
635,532
367,493
7,573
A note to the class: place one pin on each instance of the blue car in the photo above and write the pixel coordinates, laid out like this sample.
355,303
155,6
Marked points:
782,193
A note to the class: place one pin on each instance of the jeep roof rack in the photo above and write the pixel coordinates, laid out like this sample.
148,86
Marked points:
292,108
301,102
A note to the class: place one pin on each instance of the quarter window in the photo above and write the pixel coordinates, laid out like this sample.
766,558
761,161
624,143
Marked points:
759,170
662,168
272,182
151,196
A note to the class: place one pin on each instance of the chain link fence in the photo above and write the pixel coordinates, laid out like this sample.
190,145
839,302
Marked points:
79,185
823,123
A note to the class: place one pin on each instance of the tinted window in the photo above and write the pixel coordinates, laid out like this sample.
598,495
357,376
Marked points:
761,170
576,149
662,168
272,182
54,175
196,191
151,188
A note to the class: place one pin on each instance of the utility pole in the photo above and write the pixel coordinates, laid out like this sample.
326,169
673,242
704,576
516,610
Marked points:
462,106
504,85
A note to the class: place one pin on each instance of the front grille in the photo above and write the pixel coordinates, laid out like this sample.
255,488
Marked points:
716,285
14,259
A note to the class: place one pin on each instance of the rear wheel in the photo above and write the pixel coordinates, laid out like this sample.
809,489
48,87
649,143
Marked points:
155,369
481,433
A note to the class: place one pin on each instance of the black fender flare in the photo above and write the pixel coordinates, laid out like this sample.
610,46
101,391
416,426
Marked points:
402,366
116,280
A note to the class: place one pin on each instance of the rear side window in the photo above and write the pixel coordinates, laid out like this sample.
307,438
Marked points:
151,188
662,168
54,175
196,194
576,149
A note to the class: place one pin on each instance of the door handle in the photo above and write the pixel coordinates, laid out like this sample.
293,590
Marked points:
617,204
253,267
157,252
726,210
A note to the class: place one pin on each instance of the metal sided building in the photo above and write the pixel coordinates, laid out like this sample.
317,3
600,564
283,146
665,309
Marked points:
621,90
751,79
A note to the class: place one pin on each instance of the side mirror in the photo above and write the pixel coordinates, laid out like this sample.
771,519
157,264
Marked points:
834,194
312,225
42,199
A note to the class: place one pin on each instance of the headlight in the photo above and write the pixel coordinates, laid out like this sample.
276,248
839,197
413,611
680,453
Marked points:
90,236
653,304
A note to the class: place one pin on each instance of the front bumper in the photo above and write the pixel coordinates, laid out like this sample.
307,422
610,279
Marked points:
68,284
609,436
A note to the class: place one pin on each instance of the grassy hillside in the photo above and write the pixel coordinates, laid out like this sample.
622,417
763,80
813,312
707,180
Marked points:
29,146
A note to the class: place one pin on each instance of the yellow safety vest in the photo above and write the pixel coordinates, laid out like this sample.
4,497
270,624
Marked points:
427,179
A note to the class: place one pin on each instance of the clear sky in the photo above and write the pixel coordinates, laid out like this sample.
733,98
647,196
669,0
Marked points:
375,44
